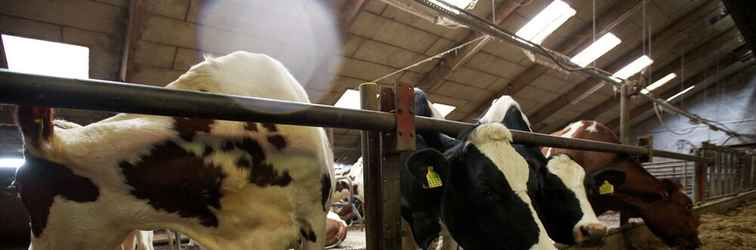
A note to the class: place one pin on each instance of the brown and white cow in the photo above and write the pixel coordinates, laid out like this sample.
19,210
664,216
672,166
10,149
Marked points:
228,185
665,209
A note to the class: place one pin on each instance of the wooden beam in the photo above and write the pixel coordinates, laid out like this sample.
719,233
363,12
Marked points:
449,62
724,62
349,12
663,40
701,52
134,30
615,15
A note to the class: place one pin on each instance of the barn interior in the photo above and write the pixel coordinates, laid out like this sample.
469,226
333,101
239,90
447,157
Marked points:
696,55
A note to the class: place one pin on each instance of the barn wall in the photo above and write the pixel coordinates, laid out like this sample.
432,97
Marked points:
732,102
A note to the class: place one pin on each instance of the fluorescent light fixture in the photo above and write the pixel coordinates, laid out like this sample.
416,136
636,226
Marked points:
634,67
598,48
350,99
11,162
46,58
546,21
443,109
659,83
463,4
681,93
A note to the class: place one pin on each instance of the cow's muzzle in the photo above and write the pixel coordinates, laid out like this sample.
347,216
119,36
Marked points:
590,233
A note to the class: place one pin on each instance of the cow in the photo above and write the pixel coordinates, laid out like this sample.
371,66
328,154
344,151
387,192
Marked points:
662,204
556,184
228,185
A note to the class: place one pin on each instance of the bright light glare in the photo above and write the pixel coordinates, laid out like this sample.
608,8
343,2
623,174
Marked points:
681,93
546,21
634,67
659,83
443,109
350,99
11,162
46,58
598,48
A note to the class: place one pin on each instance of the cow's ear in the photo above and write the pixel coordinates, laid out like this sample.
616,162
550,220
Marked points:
603,182
428,167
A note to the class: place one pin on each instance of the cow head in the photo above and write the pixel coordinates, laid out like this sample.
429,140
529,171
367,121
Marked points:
565,209
670,217
485,200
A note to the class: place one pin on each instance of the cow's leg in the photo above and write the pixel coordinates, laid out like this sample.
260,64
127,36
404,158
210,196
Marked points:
312,228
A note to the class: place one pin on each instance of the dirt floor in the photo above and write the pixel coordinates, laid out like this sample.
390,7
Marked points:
735,229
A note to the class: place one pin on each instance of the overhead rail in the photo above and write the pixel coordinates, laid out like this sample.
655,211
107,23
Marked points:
90,94
483,26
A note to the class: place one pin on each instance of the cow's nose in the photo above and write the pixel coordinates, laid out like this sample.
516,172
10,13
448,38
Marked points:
590,233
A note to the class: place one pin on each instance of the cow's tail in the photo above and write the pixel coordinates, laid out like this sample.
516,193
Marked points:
36,125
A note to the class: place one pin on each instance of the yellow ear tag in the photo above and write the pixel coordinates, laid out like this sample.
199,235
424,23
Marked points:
606,188
434,180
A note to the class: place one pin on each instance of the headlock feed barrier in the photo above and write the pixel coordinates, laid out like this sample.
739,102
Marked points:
388,126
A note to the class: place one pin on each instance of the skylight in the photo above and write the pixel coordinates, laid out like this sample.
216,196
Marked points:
634,67
444,109
350,99
598,48
681,93
11,162
46,58
463,4
659,83
546,21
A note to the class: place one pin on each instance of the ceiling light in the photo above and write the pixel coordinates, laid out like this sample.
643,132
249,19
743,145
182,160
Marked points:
443,109
350,99
462,4
546,21
681,93
659,83
634,67
46,58
596,49
11,162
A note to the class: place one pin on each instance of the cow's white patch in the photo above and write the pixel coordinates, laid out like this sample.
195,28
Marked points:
593,128
498,110
494,141
572,175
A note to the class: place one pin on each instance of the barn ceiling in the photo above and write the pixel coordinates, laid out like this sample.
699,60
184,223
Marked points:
688,37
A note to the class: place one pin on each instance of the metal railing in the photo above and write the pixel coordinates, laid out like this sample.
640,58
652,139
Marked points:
682,172
727,172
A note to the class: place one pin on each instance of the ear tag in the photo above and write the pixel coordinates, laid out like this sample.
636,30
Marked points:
433,179
606,188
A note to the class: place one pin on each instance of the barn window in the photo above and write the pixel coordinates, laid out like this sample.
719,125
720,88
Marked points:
634,67
464,4
350,99
659,83
596,49
46,58
546,21
444,109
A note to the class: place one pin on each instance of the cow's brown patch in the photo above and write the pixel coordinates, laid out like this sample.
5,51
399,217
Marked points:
278,141
270,127
187,128
261,173
40,181
176,181
251,126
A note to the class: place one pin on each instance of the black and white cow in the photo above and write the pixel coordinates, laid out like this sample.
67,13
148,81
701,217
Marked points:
228,185
557,186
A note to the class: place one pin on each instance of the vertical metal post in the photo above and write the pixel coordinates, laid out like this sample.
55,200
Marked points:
371,160
699,174
392,237
625,114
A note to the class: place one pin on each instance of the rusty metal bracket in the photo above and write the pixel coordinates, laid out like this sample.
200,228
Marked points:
405,117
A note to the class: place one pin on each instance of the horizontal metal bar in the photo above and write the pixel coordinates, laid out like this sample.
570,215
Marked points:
30,89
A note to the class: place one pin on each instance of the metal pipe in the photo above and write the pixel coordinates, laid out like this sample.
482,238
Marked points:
373,178
625,115
37,90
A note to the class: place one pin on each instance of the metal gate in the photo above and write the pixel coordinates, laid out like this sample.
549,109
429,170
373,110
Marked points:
727,172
